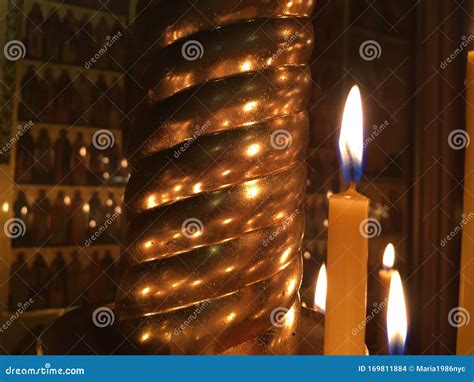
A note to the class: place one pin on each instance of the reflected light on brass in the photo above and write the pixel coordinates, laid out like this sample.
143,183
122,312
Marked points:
251,81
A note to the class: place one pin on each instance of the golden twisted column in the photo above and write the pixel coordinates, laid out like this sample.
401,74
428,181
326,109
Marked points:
215,198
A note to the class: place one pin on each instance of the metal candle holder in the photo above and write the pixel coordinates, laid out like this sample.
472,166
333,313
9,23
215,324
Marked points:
215,198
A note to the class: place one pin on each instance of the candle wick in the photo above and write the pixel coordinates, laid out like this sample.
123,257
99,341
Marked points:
352,171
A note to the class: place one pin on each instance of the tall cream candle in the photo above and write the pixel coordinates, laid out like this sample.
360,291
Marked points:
465,313
347,245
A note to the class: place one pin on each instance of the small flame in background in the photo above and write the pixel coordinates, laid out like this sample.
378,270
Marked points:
397,324
389,256
351,139
321,290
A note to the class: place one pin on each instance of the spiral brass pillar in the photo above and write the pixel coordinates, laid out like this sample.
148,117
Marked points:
213,259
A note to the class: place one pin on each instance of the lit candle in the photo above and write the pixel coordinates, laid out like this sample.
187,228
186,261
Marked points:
347,245
396,316
321,291
385,274
465,341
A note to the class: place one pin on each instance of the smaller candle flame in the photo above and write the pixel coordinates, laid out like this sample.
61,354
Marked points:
389,256
321,290
351,137
397,325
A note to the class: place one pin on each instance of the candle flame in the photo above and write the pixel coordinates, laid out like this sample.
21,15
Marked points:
389,256
321,290
351,137
396,316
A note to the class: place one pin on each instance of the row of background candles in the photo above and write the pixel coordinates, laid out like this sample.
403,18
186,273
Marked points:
394,311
